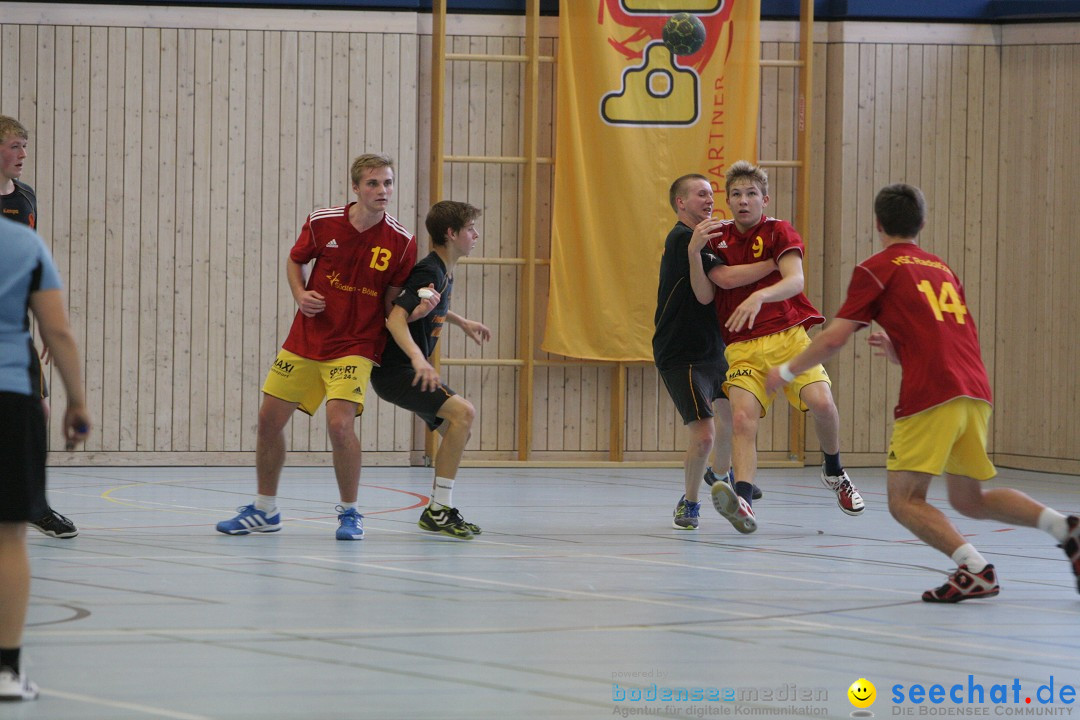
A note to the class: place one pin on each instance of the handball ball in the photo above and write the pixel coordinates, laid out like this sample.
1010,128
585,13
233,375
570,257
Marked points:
684,34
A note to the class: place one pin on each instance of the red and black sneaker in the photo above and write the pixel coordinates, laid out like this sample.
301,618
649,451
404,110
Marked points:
965,585
1071,546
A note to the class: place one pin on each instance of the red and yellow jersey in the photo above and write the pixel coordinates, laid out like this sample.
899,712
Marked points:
351,271
768,240
918,300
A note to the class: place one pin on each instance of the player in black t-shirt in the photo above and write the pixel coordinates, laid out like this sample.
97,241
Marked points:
687,346
406,378
18,202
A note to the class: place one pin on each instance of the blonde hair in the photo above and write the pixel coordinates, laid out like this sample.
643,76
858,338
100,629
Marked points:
743,170
10,127
369,161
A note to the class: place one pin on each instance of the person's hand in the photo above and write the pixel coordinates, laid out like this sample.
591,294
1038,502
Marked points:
311,303
773,382
479,332
427,377
429,300
884,347
706,230
76,426
744,314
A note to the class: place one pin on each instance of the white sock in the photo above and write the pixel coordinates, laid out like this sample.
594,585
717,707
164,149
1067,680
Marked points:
350,506
966,554
1053,522
266,504
442,491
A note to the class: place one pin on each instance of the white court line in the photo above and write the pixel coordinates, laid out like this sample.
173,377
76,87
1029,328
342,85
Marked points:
159,712
966,644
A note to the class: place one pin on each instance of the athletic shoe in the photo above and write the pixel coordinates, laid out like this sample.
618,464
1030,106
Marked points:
350,524
733,507
55,525
711,477
250,521
1071,546
14,686
965,585
687,515
445,520
847,497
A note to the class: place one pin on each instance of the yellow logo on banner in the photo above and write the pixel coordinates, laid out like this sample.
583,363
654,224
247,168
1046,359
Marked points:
657,92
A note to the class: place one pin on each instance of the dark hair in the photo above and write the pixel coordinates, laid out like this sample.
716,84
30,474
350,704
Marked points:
678,188
901,210
448,215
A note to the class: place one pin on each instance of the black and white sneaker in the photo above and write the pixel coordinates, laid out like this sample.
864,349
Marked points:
15,686
55,525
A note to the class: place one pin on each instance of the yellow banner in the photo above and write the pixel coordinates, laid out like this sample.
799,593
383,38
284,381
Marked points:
632,117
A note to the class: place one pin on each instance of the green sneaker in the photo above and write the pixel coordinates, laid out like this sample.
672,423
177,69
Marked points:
446,520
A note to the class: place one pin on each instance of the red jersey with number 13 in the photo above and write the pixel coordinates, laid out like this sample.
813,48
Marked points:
767,240
352,271
919,302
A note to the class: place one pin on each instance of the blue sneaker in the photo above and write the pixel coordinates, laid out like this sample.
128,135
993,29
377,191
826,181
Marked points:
687,515
350,524
250,521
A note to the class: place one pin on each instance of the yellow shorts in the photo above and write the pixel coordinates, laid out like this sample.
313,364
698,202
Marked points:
950,437
749,362
296,379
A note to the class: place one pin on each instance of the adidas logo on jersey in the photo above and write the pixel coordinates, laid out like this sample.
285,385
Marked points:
332,243
722,245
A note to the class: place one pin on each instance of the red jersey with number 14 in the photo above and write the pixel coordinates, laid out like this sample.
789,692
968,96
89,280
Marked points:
352,271
919,302
767,240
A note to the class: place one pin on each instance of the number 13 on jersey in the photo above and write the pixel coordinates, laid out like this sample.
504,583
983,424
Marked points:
947,300
380,258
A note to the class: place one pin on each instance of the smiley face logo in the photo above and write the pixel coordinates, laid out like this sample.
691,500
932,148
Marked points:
862,693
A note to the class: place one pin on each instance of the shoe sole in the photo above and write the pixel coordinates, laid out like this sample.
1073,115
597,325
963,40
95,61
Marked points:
852,513
252,531
726,503
58,536
447,532
349,537
677,526
953,601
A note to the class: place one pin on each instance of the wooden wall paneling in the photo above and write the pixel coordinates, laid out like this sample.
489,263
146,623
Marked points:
481,75
635,437
957,150
1068,189
96,235
841,183
74,78
942,165
971,232
58,64
269,232
146,242
887,95
324,191
244,376
989,231
647,415
112,116
1060,194
129,181
291,211
485,309
42,139
904,95
28,92
506,217
304,428
186,221
9,80
164,230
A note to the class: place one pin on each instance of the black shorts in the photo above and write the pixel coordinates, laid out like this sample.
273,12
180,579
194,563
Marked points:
694,387
394,385
22,447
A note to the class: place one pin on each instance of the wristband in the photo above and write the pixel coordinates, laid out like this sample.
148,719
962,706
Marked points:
785,373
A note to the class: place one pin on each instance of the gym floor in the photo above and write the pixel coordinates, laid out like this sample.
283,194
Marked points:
579,600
